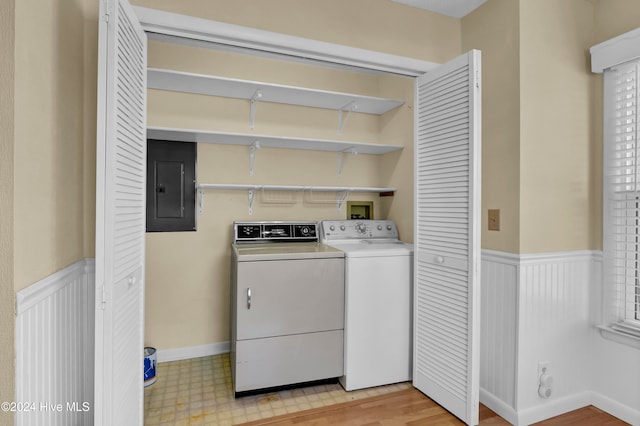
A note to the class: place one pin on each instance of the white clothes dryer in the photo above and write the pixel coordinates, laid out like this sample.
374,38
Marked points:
378,301
287,306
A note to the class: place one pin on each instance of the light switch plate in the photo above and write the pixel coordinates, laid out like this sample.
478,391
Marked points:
494,219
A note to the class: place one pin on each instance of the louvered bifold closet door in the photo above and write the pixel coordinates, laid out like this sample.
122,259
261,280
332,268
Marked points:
120,216
447,236
622,195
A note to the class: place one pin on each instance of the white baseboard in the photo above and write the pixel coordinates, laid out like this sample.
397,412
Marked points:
556,408
553,408
623,412
177,354
498,406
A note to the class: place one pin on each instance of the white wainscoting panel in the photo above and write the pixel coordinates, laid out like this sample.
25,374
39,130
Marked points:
498,341
554,326
54,348
540,308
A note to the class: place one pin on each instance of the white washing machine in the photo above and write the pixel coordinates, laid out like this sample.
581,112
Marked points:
378,301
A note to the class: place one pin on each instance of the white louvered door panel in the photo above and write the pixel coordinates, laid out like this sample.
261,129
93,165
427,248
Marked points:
447,236
120,216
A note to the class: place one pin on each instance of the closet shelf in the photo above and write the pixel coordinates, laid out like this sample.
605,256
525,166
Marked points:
265,141
179,81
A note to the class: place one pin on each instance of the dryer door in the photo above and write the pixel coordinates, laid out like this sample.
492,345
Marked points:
283,297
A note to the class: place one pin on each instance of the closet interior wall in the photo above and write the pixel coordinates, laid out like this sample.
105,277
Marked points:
187,298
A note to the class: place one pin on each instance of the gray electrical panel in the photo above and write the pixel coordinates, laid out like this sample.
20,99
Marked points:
171,191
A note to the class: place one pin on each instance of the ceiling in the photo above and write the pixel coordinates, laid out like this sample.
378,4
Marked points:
453,8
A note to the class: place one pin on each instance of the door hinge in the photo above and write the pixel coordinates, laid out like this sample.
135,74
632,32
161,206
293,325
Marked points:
107,10
103,297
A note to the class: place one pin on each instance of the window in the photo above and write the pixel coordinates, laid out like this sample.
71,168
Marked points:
619,60
622,187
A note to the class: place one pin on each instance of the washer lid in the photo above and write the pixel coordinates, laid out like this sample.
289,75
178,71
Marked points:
375,248
284,251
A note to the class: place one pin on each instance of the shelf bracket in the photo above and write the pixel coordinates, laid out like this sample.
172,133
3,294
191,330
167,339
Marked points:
252,113
251,196
252,155
200,201
343,114
341,197
342,160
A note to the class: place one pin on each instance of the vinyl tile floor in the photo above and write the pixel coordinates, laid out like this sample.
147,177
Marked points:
198,392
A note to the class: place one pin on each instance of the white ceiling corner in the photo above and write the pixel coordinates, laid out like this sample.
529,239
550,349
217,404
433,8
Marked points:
454,8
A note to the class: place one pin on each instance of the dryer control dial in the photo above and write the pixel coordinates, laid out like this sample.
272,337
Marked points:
361,227
305,230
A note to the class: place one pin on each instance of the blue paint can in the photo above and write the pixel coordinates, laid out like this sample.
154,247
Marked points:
149,366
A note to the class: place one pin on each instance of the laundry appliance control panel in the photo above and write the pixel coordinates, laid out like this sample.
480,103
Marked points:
358,229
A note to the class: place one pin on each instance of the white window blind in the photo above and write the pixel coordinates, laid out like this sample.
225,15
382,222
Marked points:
622,196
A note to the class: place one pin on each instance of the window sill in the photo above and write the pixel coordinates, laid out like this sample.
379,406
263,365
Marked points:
610,333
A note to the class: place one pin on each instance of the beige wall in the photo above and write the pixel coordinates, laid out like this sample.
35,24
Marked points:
396,169
7,298
50,138
615,17
188,289
89,108
494,29
540,155
557,197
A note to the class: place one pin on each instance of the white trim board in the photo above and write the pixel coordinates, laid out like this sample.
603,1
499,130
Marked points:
532,258
178,354
552,408
197,31
498,406
41,290
621,411
624,48
565,405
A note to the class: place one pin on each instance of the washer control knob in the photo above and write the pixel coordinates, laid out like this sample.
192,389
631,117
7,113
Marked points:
379,227
332,228
342,227
305,230
389,227
361,228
